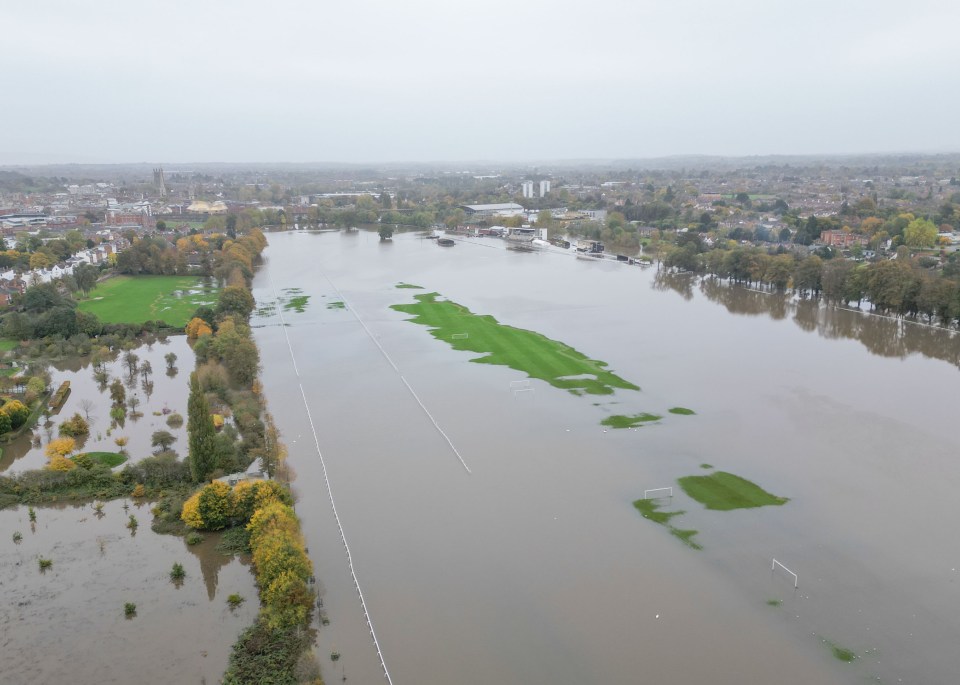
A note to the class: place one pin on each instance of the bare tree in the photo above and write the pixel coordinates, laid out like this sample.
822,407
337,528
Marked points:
87,405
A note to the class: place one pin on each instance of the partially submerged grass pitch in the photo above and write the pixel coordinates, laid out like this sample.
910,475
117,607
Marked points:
527,351
135,299
622,421
650,509
722,491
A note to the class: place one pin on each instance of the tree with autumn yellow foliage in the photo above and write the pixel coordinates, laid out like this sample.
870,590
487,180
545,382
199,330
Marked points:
61,447
59,463
198,328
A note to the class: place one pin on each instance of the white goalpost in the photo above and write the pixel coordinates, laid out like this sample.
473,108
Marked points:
668,493
773,567
459,336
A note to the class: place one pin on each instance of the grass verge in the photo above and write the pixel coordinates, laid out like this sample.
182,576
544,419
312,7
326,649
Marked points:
527,351
722,491
621,421
135,299
682,411
409,286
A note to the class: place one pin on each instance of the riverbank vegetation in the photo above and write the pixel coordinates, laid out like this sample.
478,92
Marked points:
526,351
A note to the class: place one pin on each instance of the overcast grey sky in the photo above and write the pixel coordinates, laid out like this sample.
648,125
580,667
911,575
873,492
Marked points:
426,80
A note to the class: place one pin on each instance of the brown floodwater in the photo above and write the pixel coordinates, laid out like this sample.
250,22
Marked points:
533,567
160,391
66,624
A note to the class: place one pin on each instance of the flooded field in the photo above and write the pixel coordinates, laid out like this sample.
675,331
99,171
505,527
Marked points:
524,560
159,394
67,623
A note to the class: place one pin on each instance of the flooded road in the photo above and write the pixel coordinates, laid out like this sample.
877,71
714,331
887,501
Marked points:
533,567
66,624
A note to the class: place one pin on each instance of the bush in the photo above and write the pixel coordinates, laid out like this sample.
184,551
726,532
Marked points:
175,420
129,609
215,505
75,426
61,447
60,463
18,413
177,572
45,563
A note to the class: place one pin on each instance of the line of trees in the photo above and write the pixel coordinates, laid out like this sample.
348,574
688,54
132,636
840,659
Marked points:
901,286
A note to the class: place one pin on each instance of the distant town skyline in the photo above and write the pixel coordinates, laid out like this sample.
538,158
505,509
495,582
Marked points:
423,81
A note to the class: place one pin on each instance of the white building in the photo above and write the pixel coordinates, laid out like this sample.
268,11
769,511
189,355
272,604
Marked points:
544,188
527,187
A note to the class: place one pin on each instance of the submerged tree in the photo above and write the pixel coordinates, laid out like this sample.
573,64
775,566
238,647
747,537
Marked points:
202,434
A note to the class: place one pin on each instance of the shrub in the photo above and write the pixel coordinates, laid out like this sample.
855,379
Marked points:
287,601
216,505
190,514
60,463
197,328
84,461
45,563
61,447
194,538
74,426
235,600
177,572
18,413
139,491
175,420
129,609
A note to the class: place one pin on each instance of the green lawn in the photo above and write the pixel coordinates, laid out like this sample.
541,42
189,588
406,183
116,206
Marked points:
527,351
135,299
7,345
724,491
621,421
110,459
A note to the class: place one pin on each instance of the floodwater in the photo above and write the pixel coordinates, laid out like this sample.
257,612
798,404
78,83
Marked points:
160,393
66,624
533,567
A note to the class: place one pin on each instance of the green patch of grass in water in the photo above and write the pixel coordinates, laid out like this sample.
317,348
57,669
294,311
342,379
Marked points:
110,459
297,304
841,653
621,421
686,537
774,602
526,351
682,411
336,305
722,491
706,466
409,286
650,509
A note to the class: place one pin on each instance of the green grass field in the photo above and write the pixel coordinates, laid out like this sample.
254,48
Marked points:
722,491
110,459
527,351
135,299
7,345
621,421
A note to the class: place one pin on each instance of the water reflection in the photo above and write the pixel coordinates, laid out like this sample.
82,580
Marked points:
881,335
